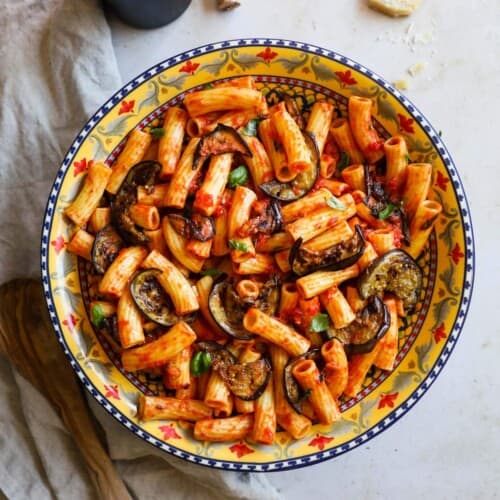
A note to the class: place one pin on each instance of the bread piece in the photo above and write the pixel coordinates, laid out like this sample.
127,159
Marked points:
395,8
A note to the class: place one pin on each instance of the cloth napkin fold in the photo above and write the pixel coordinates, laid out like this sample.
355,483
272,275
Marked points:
57,66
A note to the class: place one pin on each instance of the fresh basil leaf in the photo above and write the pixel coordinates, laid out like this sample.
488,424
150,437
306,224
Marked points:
334,202
408,159
237,245
319,323
210,272
97,315
251,127
157,132
208,86
387,211
200,363
238,177
343,161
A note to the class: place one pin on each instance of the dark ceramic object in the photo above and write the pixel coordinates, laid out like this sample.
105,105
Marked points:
148,14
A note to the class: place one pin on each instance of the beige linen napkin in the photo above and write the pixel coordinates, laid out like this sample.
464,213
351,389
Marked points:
57,66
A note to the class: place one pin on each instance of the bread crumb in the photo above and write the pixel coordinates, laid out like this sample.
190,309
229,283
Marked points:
394,8
415,69
401,84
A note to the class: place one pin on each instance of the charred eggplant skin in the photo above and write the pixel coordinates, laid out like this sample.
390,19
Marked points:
198,227
141,174
223,139
293,392
152,301
302,184
217,307
248,380
394,272
362,335
336,257
107,245
224,300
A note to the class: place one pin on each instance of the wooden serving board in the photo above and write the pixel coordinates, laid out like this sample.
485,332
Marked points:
28,340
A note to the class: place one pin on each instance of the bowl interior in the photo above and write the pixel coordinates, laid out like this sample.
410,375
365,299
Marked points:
306,73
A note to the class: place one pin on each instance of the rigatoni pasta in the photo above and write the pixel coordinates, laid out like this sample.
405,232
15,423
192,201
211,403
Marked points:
240,255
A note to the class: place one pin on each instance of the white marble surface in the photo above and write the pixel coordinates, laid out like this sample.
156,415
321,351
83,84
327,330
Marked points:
447,447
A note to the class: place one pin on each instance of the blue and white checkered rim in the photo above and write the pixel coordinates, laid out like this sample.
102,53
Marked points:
467,285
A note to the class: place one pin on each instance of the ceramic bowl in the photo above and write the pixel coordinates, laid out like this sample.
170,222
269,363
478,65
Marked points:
306,72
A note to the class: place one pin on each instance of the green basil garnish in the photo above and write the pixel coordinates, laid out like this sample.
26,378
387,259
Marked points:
237,245
157,132
97,315
319,323
343,161
200,363
238,177
334,202
251,127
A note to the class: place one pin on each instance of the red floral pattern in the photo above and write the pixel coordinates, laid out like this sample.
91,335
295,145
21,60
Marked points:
268,55
58,244
126,107
81,166
241,449
320,441
190,67
346,77
387,400
456,254
442,181
112,392
439,333
169,432
71,321
406,124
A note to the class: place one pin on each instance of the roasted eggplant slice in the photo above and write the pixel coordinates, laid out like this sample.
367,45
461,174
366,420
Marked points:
302,184
339,256
268,221
142,174
228,308
198,227
294,111
293,392
247,380
223,139
221,358
394,272
152,301
369,326
107,245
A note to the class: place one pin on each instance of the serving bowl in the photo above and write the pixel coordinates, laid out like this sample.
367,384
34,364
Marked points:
305,72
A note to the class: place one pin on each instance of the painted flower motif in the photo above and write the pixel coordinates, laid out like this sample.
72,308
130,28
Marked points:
126,107
439,333
268,55
190,67
70,321
411,365
406,124
58,244
320,441
387,400
112,392
81,166
346,77
456,254
169,432
241,449
306,70
231,67
442,181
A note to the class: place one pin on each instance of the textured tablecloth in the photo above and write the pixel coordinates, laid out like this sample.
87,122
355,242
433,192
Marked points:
57,66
